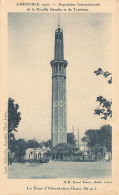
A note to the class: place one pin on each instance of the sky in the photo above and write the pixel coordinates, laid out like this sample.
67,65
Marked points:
87,47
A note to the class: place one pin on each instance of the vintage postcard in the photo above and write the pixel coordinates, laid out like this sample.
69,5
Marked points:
59,111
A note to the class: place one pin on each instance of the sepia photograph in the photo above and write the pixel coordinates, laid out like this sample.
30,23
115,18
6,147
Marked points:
59,95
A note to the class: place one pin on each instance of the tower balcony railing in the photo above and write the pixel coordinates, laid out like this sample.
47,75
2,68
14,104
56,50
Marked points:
58,61
59,74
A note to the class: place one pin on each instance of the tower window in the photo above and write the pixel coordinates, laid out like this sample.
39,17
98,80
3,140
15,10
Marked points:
59,67
59,36
56,69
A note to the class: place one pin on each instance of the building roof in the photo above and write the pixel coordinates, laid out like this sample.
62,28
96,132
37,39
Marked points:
37,150
65,145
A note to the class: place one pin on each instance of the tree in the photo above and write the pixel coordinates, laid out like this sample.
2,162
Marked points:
21,144
105,137
33,144
14,118
104,108
91,138
19,148
47,144
101,138
106,74
71,139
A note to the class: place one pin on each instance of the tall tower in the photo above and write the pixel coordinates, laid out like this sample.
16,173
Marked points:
59,106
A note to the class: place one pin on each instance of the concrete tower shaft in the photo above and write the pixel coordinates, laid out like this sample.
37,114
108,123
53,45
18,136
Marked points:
59,107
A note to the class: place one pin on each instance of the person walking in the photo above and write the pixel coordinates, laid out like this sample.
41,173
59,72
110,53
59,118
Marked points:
106,157
40,161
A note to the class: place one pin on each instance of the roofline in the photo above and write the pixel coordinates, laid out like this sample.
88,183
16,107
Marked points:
62,145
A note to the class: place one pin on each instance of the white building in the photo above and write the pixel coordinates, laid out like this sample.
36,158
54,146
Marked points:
36,153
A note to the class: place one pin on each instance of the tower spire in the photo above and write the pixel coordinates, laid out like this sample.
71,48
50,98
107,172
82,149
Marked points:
58,21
